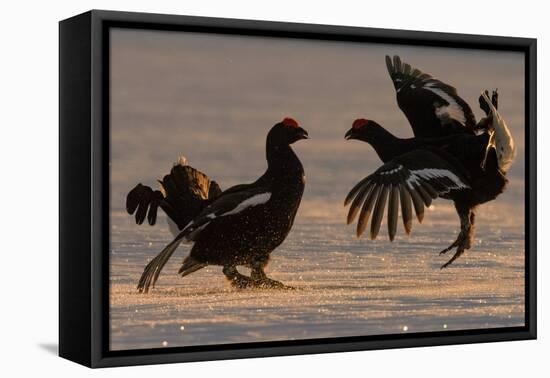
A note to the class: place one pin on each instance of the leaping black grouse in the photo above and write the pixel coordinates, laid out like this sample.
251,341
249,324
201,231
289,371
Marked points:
451,156
239,226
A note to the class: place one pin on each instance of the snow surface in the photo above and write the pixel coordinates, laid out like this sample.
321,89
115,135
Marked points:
344,286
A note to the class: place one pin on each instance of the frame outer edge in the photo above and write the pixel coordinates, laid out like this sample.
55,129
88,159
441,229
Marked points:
75,307
99,142
100,147
532,169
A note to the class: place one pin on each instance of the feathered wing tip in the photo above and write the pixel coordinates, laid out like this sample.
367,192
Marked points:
393,209
378,212
389,65
501,138
397,66
369,198
144,201
397,63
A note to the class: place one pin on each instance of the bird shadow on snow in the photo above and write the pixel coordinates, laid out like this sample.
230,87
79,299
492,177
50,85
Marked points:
52,348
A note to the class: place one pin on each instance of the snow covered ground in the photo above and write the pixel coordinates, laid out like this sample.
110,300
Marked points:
344,286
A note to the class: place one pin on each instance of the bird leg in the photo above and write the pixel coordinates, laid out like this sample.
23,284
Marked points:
464,239
262,281
237,279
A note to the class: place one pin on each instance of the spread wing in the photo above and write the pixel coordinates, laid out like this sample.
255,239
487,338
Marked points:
231,202
432,107
411,180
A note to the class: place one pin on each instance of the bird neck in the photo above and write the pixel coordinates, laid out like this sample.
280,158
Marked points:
386,145
282,161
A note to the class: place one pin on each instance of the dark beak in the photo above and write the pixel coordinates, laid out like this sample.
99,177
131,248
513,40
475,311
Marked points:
349,134
303,134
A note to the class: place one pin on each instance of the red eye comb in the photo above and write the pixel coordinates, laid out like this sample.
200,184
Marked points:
290,122
358,123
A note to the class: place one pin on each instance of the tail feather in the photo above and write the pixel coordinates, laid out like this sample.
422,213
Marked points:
186,192
484,101
152,270
182,194
500,138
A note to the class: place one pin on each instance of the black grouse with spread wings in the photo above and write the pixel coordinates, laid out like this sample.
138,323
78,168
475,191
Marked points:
239,226
450,157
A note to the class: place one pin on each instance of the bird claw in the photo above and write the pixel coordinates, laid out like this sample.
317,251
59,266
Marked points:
461,243
457,254
448,249
453,245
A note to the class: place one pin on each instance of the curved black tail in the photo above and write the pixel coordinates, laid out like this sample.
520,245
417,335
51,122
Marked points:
183,193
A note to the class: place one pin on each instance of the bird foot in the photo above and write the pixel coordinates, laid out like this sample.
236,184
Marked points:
461,240
453,245
458,253
461,244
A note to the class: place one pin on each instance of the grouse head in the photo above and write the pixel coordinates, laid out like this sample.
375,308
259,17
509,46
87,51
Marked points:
286,132
364,130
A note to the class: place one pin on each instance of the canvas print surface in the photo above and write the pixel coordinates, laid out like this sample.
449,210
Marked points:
322,134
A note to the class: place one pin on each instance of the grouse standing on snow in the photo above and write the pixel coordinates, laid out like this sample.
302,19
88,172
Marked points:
239,226
451,156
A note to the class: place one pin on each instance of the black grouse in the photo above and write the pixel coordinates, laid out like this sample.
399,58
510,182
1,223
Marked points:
451,156
239,226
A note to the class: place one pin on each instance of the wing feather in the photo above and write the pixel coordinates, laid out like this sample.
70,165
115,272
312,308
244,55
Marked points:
358,201
389,65
418,204
430,190
397,63
393,209
424,195
412,180
433,108
378,212
366,210
406,209
353,192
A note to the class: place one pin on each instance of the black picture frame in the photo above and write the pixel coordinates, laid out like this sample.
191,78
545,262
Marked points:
84,189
